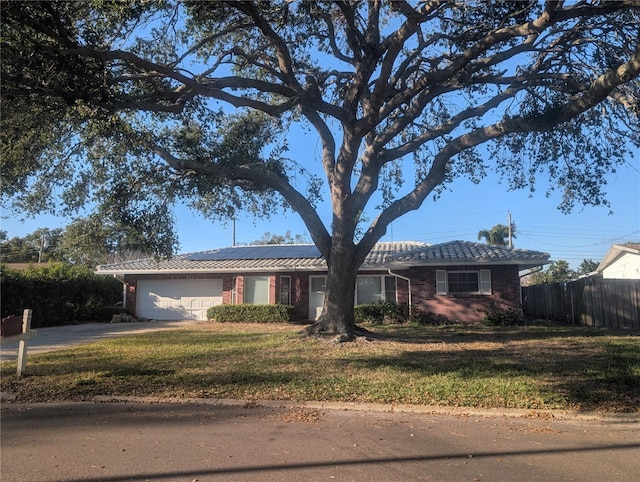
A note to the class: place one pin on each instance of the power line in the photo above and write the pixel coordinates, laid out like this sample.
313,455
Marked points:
608,241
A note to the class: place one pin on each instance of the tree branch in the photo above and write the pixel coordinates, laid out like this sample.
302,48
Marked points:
257,176
601,88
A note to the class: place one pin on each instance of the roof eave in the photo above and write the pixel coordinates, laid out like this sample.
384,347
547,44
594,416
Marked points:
523,264
280,269
613,254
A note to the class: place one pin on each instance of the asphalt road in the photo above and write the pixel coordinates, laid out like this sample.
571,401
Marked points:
118,442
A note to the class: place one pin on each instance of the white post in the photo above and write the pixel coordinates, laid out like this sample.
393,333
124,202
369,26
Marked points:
22,348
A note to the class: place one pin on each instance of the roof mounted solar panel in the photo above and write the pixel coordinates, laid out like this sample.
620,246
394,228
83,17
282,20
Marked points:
274,251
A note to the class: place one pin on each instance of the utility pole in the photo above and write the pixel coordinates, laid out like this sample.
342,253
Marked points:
43,244
509,221
233,233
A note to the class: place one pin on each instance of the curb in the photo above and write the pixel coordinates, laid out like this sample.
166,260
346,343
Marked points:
564,415
389,408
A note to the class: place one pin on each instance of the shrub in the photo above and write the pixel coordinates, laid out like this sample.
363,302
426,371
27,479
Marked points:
380,313
56,293
428,318
499,315
369,313
251,313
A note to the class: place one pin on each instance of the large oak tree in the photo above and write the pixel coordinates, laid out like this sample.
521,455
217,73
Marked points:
133,105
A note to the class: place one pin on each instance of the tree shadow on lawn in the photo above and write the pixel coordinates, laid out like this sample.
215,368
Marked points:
579,377
461,333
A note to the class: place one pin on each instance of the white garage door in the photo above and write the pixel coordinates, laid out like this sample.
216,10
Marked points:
177,299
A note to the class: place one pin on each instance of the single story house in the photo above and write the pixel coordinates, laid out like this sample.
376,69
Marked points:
459,279
622,261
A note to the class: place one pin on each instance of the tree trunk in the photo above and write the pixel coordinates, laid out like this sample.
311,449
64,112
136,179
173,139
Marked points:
337,317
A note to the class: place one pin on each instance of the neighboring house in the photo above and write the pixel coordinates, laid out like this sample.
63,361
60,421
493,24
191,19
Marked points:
622,261
458,279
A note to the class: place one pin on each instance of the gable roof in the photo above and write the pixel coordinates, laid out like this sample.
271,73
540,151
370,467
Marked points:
307,257
467,252
615,252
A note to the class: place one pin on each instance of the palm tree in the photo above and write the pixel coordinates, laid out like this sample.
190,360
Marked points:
498,235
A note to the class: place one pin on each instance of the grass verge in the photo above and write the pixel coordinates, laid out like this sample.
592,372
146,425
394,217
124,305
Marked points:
477,366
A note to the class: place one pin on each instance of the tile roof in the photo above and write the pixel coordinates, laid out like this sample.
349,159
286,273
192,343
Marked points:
398,253
463,252
206,260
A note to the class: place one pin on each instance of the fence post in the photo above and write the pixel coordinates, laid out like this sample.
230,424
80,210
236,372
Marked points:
22,348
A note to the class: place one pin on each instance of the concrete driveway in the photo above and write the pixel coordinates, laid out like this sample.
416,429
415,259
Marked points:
58,337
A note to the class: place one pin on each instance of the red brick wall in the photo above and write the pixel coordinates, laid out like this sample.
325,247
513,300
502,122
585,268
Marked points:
505,291
227,289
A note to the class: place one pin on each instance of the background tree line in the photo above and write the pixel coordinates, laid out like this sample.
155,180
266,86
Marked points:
85,242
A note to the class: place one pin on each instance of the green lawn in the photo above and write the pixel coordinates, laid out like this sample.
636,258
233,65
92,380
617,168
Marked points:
525,367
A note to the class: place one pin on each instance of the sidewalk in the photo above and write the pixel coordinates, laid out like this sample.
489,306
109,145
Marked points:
59,337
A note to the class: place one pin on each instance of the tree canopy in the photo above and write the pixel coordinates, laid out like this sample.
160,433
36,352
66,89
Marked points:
498,235
132,106
560,270
84,242
43,245
286,238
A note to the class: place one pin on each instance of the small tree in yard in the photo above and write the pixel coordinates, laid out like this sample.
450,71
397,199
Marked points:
557,271
133,106
587,266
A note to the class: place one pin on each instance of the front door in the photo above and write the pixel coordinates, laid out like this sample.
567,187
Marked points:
317,287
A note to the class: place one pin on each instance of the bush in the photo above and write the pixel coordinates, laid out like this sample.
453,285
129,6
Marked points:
56,293
380,313
251,313
428,318
370,313
500,315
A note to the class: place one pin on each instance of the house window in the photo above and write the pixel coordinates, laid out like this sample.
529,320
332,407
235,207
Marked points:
234,290
463,282
390,289
256,290
285,290
371,289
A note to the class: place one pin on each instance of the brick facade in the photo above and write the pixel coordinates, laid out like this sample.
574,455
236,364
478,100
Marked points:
299,287
466,308
505,290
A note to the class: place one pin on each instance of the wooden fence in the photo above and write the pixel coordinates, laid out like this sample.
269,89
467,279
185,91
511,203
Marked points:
594,301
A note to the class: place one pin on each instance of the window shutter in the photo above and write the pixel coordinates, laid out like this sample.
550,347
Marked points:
441,282
485,281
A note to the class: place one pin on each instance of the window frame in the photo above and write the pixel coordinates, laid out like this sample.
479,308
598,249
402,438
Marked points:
246,285
484,282
383,288
286,291
234,290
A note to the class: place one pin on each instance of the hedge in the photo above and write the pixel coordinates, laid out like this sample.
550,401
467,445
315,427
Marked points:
251,313
382,312
57,293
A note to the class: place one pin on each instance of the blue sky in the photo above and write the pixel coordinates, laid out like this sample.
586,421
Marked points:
459,214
